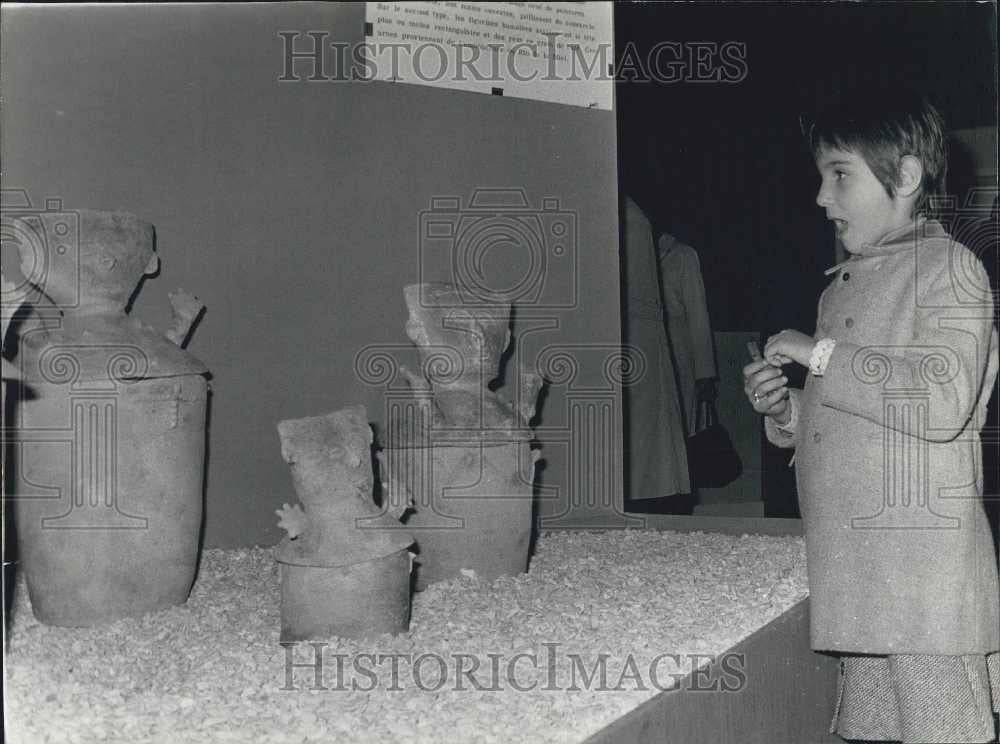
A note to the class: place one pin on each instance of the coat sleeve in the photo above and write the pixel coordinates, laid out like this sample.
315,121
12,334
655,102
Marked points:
786,436
699,325
930,386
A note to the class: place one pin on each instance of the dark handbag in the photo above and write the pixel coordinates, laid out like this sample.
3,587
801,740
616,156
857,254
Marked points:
713,462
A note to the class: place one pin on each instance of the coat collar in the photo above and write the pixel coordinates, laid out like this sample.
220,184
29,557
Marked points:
901,239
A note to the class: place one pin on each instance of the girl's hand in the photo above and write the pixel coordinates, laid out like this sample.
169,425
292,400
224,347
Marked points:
765,388
789,346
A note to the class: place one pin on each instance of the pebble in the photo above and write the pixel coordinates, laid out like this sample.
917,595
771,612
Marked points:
212,670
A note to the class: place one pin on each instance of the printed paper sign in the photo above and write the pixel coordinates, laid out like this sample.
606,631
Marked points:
557,52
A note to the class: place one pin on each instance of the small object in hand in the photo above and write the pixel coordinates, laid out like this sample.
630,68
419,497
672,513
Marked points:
754,350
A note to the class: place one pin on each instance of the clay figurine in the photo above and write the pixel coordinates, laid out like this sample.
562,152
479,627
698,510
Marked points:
464,459
345,567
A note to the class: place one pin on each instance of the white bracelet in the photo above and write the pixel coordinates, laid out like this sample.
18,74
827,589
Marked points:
820,356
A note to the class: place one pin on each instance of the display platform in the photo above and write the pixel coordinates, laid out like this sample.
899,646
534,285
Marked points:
787,698
578,647
789,690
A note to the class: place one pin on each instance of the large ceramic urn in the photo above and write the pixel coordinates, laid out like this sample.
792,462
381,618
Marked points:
111,435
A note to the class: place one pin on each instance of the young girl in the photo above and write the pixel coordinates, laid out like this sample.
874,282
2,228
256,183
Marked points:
902,570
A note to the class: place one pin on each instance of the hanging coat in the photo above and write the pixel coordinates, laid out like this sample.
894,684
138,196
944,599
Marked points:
687,319
888,453
655,449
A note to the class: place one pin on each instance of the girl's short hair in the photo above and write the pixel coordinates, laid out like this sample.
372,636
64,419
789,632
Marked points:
883,126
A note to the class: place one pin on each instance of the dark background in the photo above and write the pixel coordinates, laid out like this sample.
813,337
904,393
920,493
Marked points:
722,165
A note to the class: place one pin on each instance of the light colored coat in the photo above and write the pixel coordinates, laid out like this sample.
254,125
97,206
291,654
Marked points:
687,319
655,443
888,455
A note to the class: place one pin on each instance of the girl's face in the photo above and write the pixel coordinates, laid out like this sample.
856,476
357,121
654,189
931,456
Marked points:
861,210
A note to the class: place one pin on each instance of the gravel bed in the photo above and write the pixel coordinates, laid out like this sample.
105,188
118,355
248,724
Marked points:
213,671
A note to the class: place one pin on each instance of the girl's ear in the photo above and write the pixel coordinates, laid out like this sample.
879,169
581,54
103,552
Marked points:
911,175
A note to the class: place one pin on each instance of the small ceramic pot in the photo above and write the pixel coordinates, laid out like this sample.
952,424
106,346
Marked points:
359,601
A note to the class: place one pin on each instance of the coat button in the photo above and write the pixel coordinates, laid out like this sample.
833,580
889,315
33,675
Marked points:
846,275
816,436
849,322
